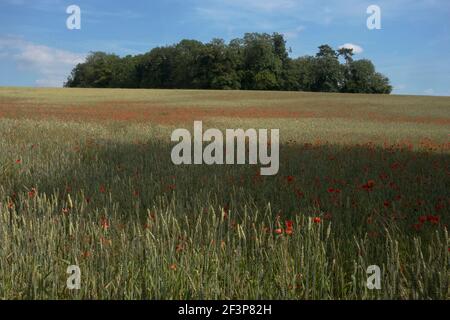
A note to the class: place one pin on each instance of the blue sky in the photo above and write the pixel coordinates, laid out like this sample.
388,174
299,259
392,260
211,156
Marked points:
412,48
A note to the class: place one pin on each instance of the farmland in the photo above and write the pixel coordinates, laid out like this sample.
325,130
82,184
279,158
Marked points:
86,179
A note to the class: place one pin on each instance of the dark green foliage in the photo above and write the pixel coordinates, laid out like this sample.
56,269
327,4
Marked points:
255,62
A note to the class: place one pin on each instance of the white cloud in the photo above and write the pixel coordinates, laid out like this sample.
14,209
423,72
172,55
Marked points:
356,49
50,64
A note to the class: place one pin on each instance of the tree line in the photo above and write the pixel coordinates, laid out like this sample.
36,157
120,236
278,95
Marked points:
255,62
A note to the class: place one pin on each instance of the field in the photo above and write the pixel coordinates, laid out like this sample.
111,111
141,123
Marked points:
86,179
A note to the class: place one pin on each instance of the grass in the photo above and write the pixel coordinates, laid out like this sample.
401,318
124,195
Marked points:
86,179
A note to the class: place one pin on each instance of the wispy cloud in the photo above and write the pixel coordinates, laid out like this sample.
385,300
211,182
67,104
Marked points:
52,65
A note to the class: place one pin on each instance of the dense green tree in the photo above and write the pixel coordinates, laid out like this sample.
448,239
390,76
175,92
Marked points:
363,78
258,61
97,71
327,72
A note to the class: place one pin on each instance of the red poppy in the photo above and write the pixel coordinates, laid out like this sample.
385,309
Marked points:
434,219
279,231
423,219
369,185
417,226
289,227
18,161
102,189
289,223
32,193
317,220
290,179
104,223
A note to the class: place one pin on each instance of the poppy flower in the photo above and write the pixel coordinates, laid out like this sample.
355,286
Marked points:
423,219
104,223
279,231
290,179
32,193
434,219
317,220
18,161
102,189
289,227
369,185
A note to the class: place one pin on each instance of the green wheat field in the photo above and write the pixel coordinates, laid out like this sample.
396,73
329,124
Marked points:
86,179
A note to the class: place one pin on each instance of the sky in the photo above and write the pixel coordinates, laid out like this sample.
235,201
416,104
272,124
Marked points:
412,47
